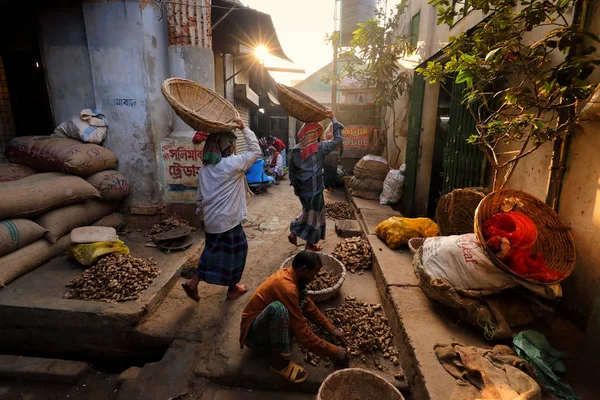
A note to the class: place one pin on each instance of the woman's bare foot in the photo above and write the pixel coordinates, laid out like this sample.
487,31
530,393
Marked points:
293,239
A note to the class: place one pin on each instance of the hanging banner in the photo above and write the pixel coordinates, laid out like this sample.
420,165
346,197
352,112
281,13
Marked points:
357,137
180,163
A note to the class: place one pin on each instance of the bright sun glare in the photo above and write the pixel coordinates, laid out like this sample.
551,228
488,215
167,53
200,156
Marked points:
261,52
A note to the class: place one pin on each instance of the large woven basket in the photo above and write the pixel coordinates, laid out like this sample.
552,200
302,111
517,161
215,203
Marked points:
198,106
455,212
357,384
300,105
332,265
554,242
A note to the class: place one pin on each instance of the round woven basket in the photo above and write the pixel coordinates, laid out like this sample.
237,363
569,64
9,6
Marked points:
554,242
301,106
455,212
330,264
357,384
415,244
198,106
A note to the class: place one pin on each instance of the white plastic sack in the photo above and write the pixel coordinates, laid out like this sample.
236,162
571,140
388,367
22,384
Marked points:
462,263
392,187
89,127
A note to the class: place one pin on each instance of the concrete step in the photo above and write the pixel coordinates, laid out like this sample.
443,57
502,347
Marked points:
42,369
222,393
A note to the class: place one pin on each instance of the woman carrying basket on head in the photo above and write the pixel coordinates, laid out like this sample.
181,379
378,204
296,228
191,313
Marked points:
306,176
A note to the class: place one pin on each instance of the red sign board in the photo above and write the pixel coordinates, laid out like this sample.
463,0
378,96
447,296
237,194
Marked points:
357,136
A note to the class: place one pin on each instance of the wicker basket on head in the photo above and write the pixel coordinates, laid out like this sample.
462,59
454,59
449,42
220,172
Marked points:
357,384
455,211
329,264
300,105
554,241
198,106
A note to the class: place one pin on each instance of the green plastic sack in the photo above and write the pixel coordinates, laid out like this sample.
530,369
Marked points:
87,254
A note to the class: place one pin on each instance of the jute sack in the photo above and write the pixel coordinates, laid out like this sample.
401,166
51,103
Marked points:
12,172
55,154
115,220
112,185
365,194
63,220
39,193
16,233
371,167
32,256
368,185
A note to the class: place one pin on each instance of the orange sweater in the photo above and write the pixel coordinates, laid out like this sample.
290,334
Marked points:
283,286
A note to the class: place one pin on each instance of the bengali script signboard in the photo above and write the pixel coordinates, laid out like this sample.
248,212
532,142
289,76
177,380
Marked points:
180,162
357,137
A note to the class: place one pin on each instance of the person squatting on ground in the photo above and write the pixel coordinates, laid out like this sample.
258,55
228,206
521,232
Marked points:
275,165
279,146
306,176
280,310
222,204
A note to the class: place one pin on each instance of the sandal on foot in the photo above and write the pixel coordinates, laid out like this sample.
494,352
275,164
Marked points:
191,293
314,247
240,289
291,372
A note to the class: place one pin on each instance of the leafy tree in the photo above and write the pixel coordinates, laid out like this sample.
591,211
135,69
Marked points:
372,61
519,90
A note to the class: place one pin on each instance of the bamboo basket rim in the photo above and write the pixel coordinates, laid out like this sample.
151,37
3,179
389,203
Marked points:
560,227
358,372
307,104
190,116
327,293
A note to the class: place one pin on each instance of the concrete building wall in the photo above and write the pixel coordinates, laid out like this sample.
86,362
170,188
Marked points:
64,48
116,34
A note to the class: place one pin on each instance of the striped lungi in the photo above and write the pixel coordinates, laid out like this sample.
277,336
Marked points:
310,224
224,257
270,331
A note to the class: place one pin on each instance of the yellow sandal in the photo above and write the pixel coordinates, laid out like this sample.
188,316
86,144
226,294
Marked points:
291,373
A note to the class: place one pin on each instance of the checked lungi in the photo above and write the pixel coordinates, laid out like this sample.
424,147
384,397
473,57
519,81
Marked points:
270,331
224,257
310,224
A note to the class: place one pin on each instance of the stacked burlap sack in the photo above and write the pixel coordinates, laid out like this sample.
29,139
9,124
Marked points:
52,186
369,175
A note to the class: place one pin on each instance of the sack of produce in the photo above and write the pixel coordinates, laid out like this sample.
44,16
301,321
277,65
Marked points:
115,220
30,257
13,172
63,220
365,194
112,185
89,127
40,193
37,253
87,254
16,233
496,315
462,263
371,167
366,184
56,154
397,231
392,187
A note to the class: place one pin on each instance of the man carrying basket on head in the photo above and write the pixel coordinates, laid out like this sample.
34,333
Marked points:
306,176
222,203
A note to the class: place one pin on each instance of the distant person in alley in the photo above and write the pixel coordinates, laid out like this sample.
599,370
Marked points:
306,176
279,146
222,205
280,310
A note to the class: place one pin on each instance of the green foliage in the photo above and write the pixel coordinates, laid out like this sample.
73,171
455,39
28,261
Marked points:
517,87
373,55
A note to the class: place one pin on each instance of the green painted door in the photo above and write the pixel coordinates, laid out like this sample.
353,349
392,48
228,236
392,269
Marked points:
464,163
412,144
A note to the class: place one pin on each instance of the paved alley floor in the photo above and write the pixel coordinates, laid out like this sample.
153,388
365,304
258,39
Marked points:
205,360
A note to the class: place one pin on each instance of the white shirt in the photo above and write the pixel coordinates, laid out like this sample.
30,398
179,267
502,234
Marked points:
222,188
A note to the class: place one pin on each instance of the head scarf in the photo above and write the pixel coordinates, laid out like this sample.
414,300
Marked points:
217,146
309,137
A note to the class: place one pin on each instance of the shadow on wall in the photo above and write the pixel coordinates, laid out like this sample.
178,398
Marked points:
580,208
